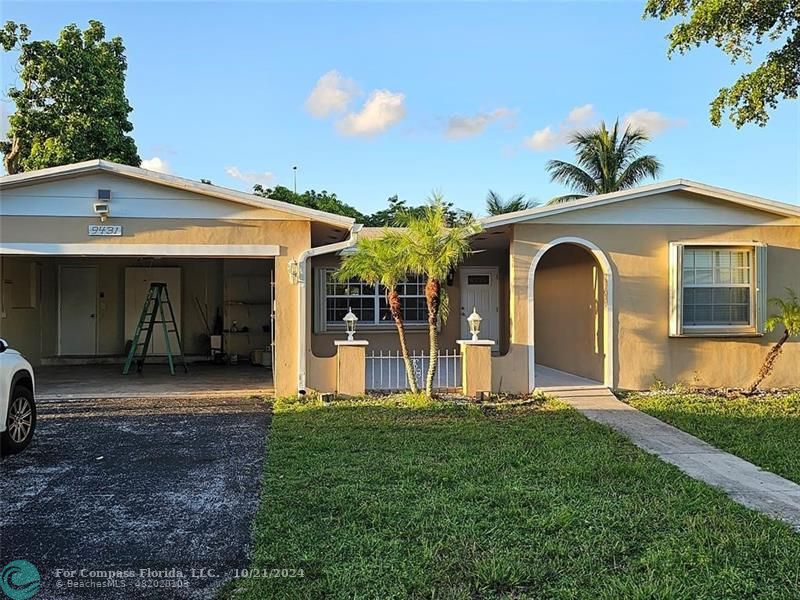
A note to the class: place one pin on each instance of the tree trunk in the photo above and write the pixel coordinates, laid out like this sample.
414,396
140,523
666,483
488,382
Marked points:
393,299
11,160
432,292
769,362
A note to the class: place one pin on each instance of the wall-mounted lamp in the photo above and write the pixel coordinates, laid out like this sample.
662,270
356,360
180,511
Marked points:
294,271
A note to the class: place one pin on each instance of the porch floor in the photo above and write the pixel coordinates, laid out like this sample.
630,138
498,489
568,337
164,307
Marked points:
548,379
107,381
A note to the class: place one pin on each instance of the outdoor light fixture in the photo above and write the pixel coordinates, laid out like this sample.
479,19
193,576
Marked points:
474,321
294,271
350,324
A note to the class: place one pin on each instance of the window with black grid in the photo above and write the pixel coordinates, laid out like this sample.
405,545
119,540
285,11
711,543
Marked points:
369,303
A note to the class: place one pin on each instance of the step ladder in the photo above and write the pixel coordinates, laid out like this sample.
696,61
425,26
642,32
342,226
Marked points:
153,314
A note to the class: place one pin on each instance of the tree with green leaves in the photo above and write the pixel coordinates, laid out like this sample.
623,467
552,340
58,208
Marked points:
323,200
736,27
608,161
787,317
433,249
71,105
381,262
495,205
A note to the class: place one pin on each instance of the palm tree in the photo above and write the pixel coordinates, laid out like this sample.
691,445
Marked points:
380,261
788,317
495,205
433,249
607,162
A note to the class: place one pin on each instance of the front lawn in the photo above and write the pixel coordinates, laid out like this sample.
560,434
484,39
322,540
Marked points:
380,501
763,429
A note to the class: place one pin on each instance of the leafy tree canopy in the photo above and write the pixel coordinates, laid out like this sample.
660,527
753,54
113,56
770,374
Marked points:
310,199
71,105
397,214
736,27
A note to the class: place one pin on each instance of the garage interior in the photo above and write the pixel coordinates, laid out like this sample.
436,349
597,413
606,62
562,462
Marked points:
74,319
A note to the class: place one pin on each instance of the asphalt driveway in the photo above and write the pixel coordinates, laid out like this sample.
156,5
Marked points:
135,498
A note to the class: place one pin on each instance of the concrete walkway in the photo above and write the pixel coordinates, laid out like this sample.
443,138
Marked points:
742,481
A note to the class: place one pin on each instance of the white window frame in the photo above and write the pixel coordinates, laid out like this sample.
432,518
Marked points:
758,289
321,324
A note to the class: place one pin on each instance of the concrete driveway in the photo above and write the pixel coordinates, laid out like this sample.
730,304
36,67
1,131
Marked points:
135,498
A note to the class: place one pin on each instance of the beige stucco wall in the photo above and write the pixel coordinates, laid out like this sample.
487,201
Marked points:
568,296
292,237
321,350
643,349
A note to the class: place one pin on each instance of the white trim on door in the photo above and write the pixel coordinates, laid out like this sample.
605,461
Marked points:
494,293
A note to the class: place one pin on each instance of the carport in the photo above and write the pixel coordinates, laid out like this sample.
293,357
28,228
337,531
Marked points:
81,244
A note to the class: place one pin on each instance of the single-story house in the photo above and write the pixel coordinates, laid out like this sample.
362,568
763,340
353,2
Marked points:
668,281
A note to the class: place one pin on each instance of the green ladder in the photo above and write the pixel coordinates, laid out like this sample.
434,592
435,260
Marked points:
152,315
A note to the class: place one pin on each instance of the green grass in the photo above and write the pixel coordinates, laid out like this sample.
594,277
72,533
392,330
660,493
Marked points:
432,501
762,429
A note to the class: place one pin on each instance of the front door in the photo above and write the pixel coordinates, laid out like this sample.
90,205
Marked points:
77,312
479,291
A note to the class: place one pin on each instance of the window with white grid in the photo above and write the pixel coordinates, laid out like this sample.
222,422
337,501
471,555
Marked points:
368,302
717,287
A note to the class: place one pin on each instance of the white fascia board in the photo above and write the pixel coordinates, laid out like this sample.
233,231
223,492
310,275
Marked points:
178,250
174,182
772,206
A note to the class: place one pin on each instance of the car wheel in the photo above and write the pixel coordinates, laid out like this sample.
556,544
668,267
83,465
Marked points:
20,422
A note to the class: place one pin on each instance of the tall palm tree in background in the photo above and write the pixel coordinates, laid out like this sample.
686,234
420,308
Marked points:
381,261
495,205
433,249
607,162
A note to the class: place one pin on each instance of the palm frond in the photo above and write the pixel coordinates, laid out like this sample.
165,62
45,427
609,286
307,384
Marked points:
495,205
639,169
608,160
572,176
565,198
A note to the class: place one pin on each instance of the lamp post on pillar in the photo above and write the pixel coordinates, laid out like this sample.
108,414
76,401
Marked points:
351,360
476,359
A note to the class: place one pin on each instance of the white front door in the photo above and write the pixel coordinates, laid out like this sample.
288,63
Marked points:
77,312
479,291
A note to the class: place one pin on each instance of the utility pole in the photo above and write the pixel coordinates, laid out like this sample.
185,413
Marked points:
294,168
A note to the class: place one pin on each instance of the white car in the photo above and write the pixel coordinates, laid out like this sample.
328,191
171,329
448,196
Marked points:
17,407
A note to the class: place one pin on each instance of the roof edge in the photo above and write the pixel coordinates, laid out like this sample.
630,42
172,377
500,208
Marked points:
173,181
771,206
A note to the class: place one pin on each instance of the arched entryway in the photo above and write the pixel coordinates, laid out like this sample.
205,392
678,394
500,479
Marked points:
570,321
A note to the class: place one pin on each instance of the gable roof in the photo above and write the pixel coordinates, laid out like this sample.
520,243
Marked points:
673,185
180,183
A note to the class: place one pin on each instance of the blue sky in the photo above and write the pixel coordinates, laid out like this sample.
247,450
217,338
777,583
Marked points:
422,96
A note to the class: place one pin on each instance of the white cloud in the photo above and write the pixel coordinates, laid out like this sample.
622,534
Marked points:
554,136
651,121
459,127
156,164
381,111
332,94
580,117
250,177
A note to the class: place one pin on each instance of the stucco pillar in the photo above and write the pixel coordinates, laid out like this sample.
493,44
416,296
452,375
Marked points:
476,366
351,367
